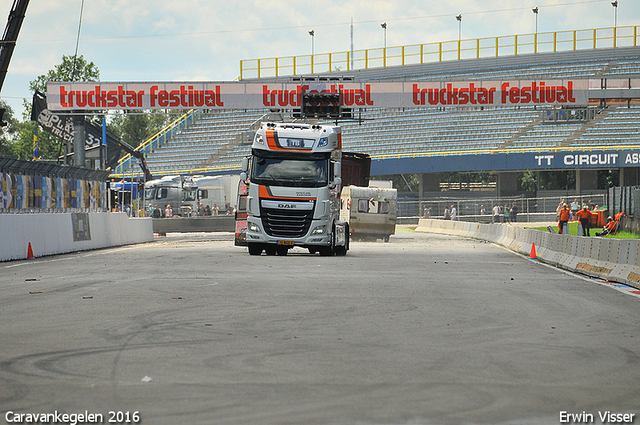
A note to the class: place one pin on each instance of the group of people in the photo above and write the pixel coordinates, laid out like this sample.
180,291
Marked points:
450,213
500,214
201,210
508,214
159,212
583,214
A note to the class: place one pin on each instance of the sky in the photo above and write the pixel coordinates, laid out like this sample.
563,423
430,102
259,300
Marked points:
205,40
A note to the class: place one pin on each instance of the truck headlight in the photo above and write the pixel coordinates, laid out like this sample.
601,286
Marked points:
259,139
254,228
323,142
320,230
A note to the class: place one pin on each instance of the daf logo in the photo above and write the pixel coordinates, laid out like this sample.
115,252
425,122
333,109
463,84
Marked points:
286,206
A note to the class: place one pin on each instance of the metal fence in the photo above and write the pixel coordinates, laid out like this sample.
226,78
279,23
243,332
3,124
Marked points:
480,209
624,199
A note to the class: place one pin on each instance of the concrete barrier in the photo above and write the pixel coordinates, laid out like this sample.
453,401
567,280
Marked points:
616,260
220,223
54,233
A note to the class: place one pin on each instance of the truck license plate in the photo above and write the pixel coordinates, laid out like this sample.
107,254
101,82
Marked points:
285,243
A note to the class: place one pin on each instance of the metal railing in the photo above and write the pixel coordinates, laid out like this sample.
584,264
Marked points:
476,48
480,209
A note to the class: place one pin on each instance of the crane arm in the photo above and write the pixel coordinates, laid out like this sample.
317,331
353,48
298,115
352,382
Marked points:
10,37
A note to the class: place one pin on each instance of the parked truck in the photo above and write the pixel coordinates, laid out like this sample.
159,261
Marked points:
206,192
164,191
185,193
293,199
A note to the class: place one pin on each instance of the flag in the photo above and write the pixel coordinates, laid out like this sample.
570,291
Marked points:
35,142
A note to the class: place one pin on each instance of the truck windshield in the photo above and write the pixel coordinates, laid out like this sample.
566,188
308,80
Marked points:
290,172
189,195
150,193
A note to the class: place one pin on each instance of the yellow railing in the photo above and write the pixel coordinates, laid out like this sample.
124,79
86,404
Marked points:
476,48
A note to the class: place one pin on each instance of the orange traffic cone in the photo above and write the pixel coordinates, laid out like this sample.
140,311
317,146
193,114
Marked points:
533,255
30,255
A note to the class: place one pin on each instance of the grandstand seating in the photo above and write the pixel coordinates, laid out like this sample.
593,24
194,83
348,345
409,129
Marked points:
211,143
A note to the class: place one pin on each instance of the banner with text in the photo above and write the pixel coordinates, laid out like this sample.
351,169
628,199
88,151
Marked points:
239,95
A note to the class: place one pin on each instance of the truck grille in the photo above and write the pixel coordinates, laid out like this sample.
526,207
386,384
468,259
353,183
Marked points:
283,223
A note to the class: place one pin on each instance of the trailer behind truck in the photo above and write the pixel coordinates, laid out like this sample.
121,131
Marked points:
370,211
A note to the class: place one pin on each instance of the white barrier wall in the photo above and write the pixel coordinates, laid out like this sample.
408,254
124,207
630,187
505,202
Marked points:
57,233
615,260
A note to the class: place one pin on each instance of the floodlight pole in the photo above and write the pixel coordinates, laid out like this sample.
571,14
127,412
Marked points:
535,37
459,19
615,20
312,33
384,51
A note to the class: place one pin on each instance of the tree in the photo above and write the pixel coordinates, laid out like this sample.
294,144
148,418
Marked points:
71,69
8,132
135,128
528,182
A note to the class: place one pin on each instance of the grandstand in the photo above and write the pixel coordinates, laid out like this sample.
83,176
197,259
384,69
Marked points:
216,141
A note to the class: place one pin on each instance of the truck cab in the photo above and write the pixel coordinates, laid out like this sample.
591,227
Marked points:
294,184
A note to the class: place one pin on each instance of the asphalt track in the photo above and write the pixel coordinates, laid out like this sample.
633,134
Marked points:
427,329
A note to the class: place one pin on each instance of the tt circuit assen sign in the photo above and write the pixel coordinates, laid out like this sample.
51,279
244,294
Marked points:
238,95
512,161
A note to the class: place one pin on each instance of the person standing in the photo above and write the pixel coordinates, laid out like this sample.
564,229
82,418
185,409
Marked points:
454,212
514,213
447,213
496,214
584,215
575,207
564,218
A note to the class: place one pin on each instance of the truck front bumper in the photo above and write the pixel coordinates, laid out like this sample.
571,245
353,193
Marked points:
319,235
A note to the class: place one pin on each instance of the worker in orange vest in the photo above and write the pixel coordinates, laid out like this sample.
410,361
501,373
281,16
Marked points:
584,215
565,214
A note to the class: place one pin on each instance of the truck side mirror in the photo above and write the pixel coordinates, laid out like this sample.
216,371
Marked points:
245,165
243,176
336,182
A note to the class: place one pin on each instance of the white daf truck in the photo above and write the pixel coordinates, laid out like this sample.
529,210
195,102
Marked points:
294,182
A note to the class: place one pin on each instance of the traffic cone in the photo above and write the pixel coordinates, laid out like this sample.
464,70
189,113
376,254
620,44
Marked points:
533,255
30,255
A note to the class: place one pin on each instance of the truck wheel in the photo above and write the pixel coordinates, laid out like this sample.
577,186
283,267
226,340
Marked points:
270,250
342,250
313,250
255,249
282,251
328,251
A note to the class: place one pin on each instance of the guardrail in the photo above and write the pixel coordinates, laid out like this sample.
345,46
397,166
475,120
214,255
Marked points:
614,260
475,48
